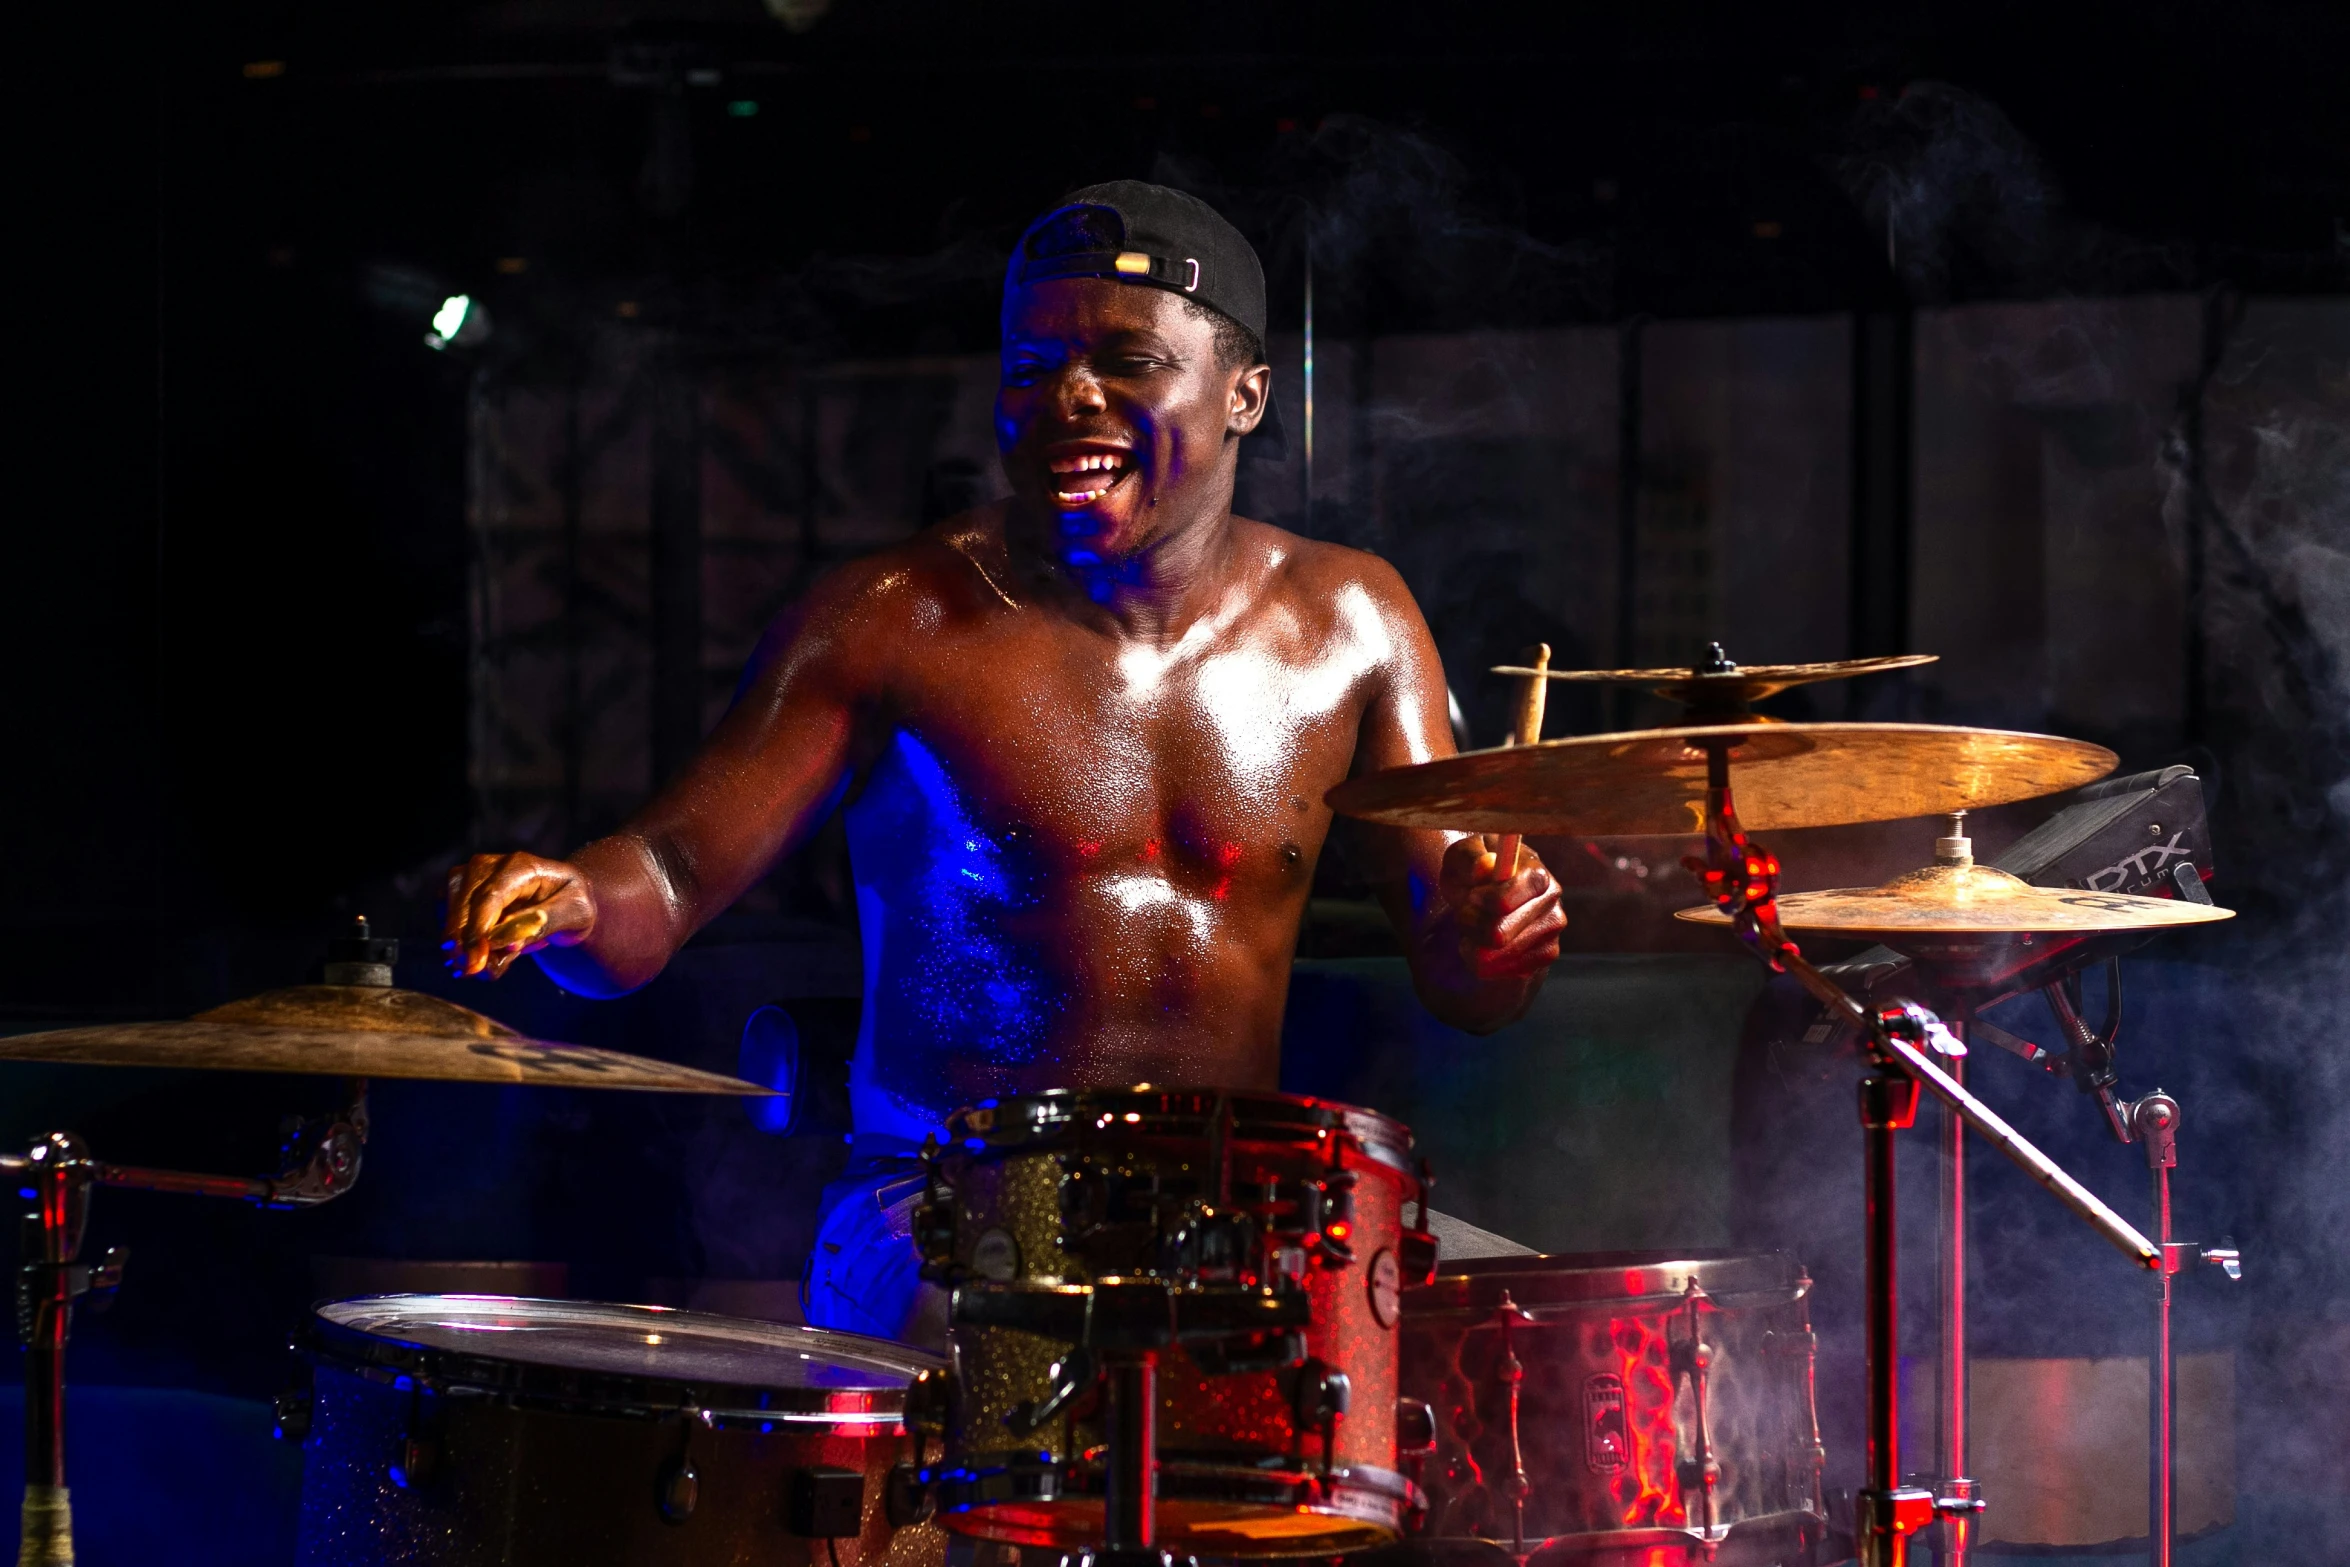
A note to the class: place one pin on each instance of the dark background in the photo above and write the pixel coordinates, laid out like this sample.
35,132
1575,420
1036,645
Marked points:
240,593
239,571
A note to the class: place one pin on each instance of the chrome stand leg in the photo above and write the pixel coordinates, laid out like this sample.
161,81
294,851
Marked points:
2155,1119
57,1169
1955,1493
1129,1510
1886,1512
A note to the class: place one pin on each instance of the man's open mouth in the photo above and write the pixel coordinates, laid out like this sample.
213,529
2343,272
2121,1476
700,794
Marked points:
1082,478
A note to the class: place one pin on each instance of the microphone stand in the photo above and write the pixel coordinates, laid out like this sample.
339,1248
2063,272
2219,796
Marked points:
2153,1123
58,1175
1743,880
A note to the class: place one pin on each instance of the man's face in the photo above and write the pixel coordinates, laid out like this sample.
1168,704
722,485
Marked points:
1113,415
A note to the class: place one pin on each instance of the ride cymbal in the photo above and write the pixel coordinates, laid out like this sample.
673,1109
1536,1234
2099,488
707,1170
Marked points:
1782,775
1718,686
1970,900
372,1031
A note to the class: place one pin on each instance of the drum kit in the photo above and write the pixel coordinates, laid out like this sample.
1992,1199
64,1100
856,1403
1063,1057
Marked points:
1189,1321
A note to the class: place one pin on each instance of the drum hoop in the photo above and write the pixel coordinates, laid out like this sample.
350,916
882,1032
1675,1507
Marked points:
610,1400
1022,1121
1548,1285
1180,1478
376,1353
1800,1521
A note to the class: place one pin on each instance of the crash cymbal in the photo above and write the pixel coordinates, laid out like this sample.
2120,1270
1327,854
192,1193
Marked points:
1781,775
1718,690
372,1031
1969,899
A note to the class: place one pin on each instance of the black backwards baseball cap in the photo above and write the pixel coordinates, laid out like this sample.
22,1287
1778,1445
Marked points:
1128,231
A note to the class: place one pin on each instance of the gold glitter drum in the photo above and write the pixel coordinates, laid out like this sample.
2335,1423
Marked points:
1174,1322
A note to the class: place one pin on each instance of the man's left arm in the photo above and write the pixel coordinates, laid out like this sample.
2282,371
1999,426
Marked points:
1479,937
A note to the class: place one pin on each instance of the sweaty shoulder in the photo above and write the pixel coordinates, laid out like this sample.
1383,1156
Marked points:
860,617
1351,592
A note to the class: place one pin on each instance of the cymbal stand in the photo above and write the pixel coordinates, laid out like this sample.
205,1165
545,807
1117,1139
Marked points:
1743,880
1130,1409
1957,1497
57,1174
2153,1123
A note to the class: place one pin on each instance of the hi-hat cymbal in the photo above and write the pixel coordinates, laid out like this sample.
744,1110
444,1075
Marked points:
1970,900
371,1031
1731,688
1781,775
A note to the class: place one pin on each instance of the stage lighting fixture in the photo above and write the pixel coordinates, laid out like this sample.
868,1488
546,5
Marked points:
461,322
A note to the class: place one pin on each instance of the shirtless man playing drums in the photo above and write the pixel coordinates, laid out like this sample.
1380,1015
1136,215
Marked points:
1081,737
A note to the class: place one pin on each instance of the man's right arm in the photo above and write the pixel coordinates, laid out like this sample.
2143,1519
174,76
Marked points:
607,920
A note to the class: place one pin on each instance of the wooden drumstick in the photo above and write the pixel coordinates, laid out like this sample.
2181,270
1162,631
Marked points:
517,930
1533,691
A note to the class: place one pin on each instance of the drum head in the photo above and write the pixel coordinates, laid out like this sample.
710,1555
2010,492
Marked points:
574,1349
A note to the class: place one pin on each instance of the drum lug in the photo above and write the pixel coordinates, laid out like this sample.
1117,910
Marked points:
1692,1358
1320,1217
1415,1256
292,1409
679,1487
826,1504
419,1458
1511,1371
906,1497
1338,1218
1095,1196
1415,1428
929,1402
1213,1246
1317,1398
419,1461
1804,1344
933,1223
680,1490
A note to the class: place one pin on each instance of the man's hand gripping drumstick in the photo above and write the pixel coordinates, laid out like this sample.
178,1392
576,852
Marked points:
503,907
1502,911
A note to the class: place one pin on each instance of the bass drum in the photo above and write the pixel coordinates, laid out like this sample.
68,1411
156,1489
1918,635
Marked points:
1618,1408
490,1431
1278,1219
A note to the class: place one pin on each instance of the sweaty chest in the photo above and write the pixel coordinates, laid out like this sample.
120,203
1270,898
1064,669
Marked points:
1019,767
